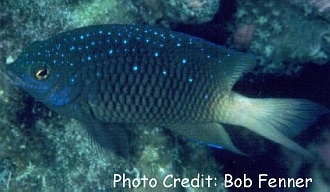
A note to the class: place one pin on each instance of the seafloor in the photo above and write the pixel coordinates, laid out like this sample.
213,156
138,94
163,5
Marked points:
43,151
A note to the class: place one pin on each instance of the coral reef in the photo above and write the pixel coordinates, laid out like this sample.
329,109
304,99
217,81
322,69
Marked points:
151,12
191,11
320,5
165,12
281,35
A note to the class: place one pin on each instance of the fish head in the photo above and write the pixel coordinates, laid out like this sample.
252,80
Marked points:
42,73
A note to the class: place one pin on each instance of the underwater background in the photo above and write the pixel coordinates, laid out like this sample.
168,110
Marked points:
43,151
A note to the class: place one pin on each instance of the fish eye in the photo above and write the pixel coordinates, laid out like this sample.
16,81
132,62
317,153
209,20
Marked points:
42,73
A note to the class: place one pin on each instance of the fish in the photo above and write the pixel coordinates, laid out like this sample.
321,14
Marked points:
111,77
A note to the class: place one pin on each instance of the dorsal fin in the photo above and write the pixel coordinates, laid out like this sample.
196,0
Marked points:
231,65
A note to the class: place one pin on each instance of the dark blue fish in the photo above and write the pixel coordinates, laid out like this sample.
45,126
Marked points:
112,76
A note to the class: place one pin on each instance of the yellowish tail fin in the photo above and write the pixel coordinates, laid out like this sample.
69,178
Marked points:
275,119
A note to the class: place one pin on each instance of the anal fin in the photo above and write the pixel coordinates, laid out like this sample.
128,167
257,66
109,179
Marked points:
210,133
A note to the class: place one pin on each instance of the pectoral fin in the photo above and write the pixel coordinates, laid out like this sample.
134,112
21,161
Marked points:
211,133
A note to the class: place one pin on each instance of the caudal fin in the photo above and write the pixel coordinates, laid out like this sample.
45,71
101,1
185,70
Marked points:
275,119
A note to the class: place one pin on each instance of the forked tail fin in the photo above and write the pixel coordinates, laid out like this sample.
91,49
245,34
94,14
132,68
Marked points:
275,119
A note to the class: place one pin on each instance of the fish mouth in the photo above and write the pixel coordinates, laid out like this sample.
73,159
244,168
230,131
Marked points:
20,82
12,78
